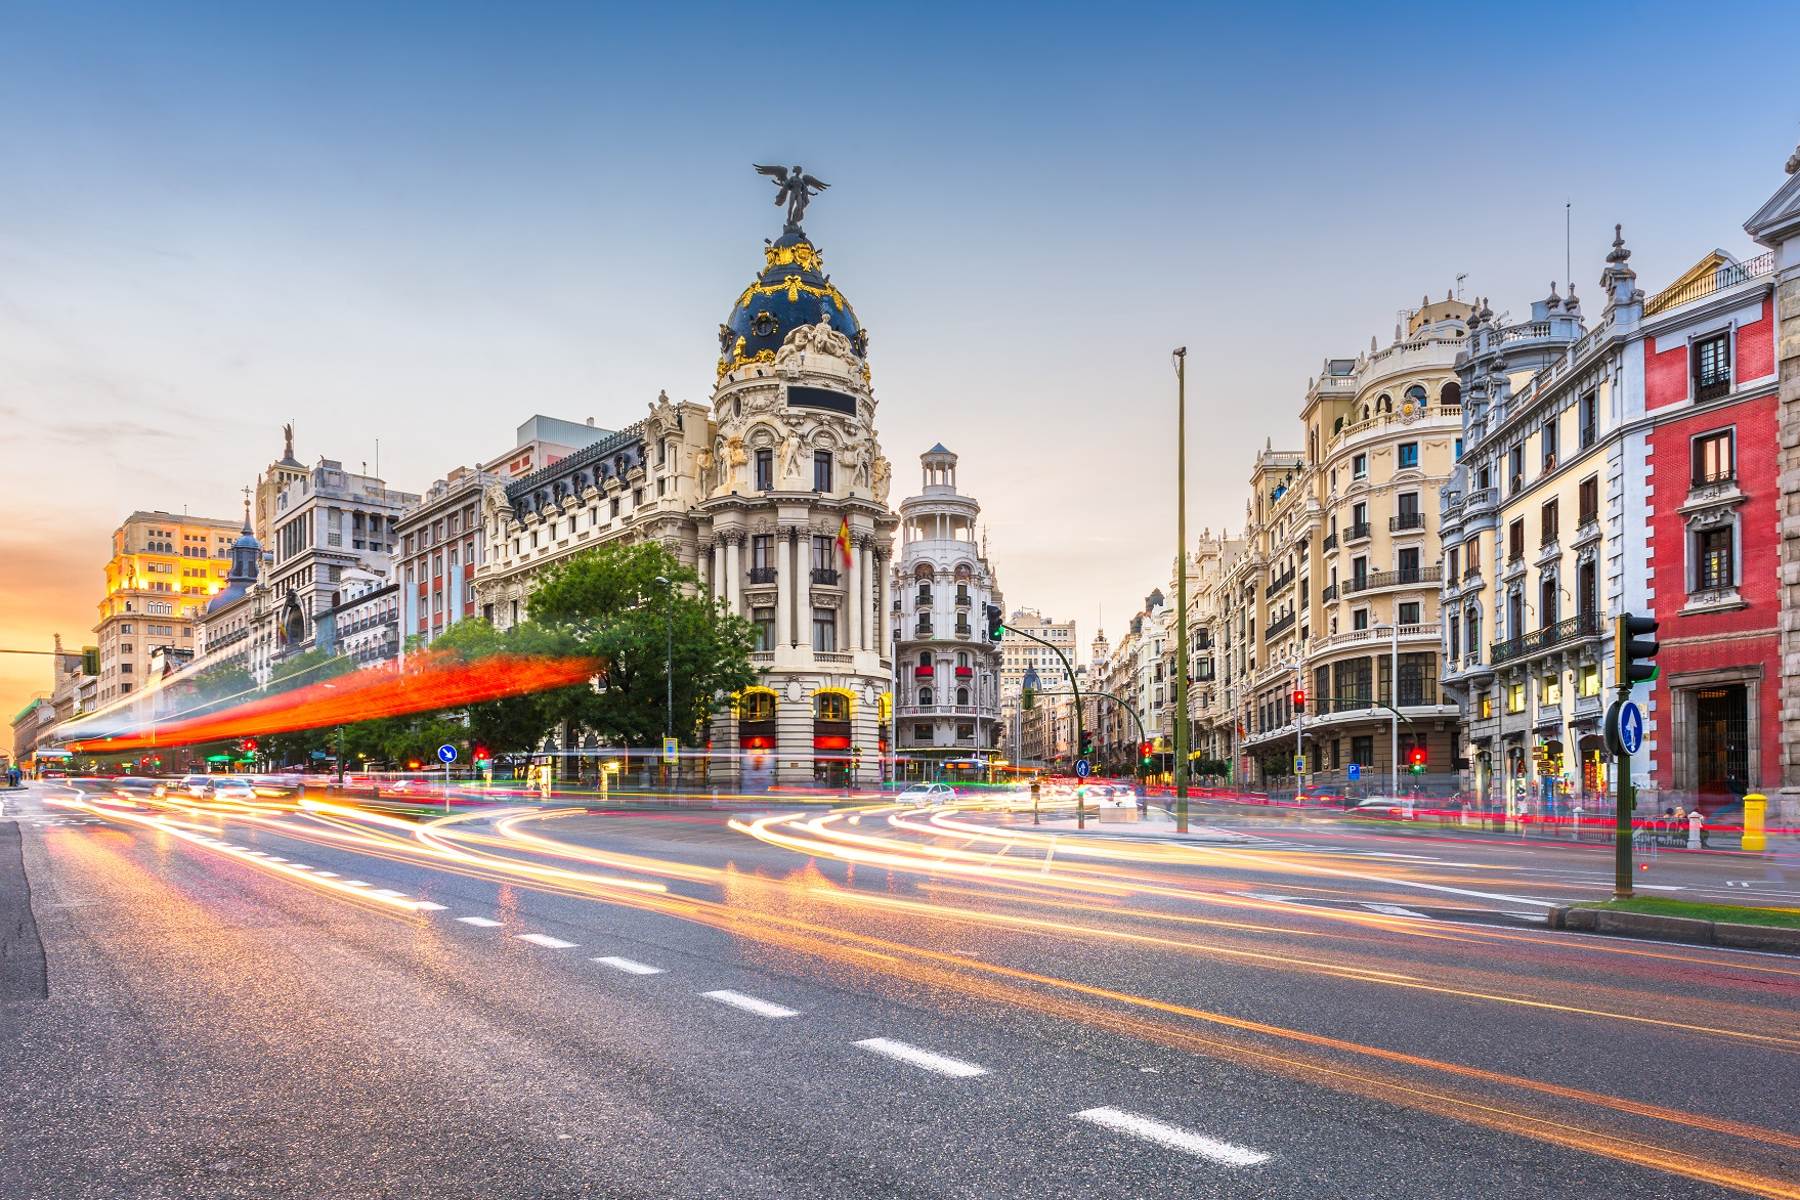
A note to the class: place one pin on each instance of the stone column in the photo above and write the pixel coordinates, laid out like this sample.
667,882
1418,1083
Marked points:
784,587
705,566
885,605
853,620
734,575
797,548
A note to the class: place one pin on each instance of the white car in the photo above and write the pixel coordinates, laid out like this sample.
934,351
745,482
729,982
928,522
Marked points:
1391,807
232,789
188,785
927,794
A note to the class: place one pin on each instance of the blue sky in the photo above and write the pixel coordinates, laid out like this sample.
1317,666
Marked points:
422,223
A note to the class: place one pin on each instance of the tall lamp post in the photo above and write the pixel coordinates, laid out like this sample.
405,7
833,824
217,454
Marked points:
668,661
1181,652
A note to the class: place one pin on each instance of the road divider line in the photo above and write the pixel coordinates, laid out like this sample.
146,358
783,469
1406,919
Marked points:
427,906
941,1064
479,922
627,965
1172,1136
751,1004
1394,910
545,940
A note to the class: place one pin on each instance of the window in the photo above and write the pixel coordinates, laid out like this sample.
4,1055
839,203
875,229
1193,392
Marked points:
1712,559
1451,558
1362,751
821,470
1714,460
1515,469
1359,467
824,547
824,629
1515,541
1408,613
962,696
1547,523
1590,681
1712,367
1409,454
965,731
762,556
1550,689
1589,501
1515,697
925,696
125,627
921,733
1486,706
1549,440
1590,419
1359,619
765,469
765,627
1406,562
1359,573
831,706
1457,454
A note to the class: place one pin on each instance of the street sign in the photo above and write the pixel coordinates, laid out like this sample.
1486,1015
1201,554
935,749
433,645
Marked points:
1083,768
1299,764
1624,727
1355,772
446,754
671,750
1631,727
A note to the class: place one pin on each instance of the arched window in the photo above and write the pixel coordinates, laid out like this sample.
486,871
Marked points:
1384,403
758,706
962,696
924,658
962,658
1365,412
1451,393
925,697
831,706
1416,394
923,572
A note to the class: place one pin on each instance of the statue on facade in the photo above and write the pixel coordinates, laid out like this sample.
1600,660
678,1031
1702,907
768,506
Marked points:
793,188
859,466
883,473
735,458
703,466
789,461
287,441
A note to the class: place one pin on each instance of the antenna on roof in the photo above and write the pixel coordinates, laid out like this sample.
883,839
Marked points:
1568,269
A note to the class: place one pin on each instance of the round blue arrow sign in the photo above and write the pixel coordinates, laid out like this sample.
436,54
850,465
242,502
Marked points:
447,753
1083,768
1631,727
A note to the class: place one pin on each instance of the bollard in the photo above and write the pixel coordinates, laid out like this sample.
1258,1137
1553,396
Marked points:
1756,807
1694,820
1577,824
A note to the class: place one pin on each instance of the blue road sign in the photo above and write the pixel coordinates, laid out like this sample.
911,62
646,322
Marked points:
1083,768
1355,772
1631,727
446,753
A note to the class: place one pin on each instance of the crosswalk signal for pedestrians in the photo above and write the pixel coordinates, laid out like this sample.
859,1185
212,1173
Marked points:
1634,649
993,622
1299,700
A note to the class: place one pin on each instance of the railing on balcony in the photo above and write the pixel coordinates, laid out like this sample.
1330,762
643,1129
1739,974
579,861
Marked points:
1330,542
762,574
1328,593
1406,520
824,574
1581,625
963,629
1280,626
1280,581
1359,531
1724,276
1401,578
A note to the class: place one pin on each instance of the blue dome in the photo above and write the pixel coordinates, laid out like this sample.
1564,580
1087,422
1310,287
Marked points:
792,291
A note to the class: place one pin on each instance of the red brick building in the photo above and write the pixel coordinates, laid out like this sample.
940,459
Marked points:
1711,442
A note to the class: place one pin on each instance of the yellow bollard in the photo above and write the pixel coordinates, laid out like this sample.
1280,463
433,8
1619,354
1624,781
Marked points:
1755,806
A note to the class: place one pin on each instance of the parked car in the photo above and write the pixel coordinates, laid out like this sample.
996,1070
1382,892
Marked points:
925,794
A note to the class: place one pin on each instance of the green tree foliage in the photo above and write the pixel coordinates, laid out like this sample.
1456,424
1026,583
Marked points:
297,671
606,603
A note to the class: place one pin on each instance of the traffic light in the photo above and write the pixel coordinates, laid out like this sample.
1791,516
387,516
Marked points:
481,753
90,660
1087,745
1632,653
247,745
993,622
1028,699
1145,751
1299,700
1415,760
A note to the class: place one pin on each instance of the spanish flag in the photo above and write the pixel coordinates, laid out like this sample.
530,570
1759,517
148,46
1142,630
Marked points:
843,540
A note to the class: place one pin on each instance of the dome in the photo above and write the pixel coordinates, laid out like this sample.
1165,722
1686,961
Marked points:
246,560
792,291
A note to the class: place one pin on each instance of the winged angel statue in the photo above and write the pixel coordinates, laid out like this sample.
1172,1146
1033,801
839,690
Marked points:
794,188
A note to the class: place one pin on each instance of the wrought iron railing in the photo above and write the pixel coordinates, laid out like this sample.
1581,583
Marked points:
1581,625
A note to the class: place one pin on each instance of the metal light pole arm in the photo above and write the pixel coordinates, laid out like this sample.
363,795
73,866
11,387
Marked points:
1069,671
1119,700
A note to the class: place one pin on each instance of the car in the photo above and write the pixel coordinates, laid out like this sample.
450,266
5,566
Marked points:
927,793
196,786
229,788
1396,808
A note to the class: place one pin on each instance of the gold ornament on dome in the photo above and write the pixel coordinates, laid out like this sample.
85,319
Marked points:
793,285
741,359
798,255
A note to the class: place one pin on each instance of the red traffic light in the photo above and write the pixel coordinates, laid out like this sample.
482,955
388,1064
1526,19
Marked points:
1145,749
247,745
1299,700
481,754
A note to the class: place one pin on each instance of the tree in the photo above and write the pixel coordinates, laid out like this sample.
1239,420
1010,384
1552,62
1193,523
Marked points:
606,603
297,671
512,723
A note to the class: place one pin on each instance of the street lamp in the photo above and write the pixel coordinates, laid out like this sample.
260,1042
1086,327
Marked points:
1181,642
669,660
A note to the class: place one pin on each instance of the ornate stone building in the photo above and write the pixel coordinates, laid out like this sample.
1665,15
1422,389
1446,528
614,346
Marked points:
947,702
776,493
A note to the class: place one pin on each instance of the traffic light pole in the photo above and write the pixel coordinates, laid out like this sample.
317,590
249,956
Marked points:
1622,805
1632,665
1068,671
1181,630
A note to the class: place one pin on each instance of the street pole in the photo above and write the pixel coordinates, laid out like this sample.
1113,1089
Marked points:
668,668
1181,652
1622,885
1394,730
1074,688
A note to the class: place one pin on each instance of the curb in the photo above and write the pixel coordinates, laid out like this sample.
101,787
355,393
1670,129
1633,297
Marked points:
1676,929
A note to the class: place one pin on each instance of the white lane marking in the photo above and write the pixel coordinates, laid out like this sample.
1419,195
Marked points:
390,893
750,1004
328,874
942,1064
1394,910
427,906
1270,896
545,940
1173,1136
300,867
479,922
276,858
357,883
629,966
1659,887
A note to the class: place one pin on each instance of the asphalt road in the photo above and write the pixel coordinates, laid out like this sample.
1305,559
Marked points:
563,1003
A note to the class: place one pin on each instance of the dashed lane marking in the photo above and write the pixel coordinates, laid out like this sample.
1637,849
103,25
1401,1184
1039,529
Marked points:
941,1064
479,922
751,1004
545,940
427,906
1173,1136
629,966
1394,910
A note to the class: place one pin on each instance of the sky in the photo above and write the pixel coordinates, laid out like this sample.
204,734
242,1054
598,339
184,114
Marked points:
419,224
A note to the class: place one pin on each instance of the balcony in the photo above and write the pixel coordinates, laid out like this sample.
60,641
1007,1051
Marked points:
964,630
1279,627
923,672
1357,532
762,574
1480,500
1726,275
922,629
1405,577
1330,542
1575,628
824,574
1328,593
965,672
1279,582
1406,520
